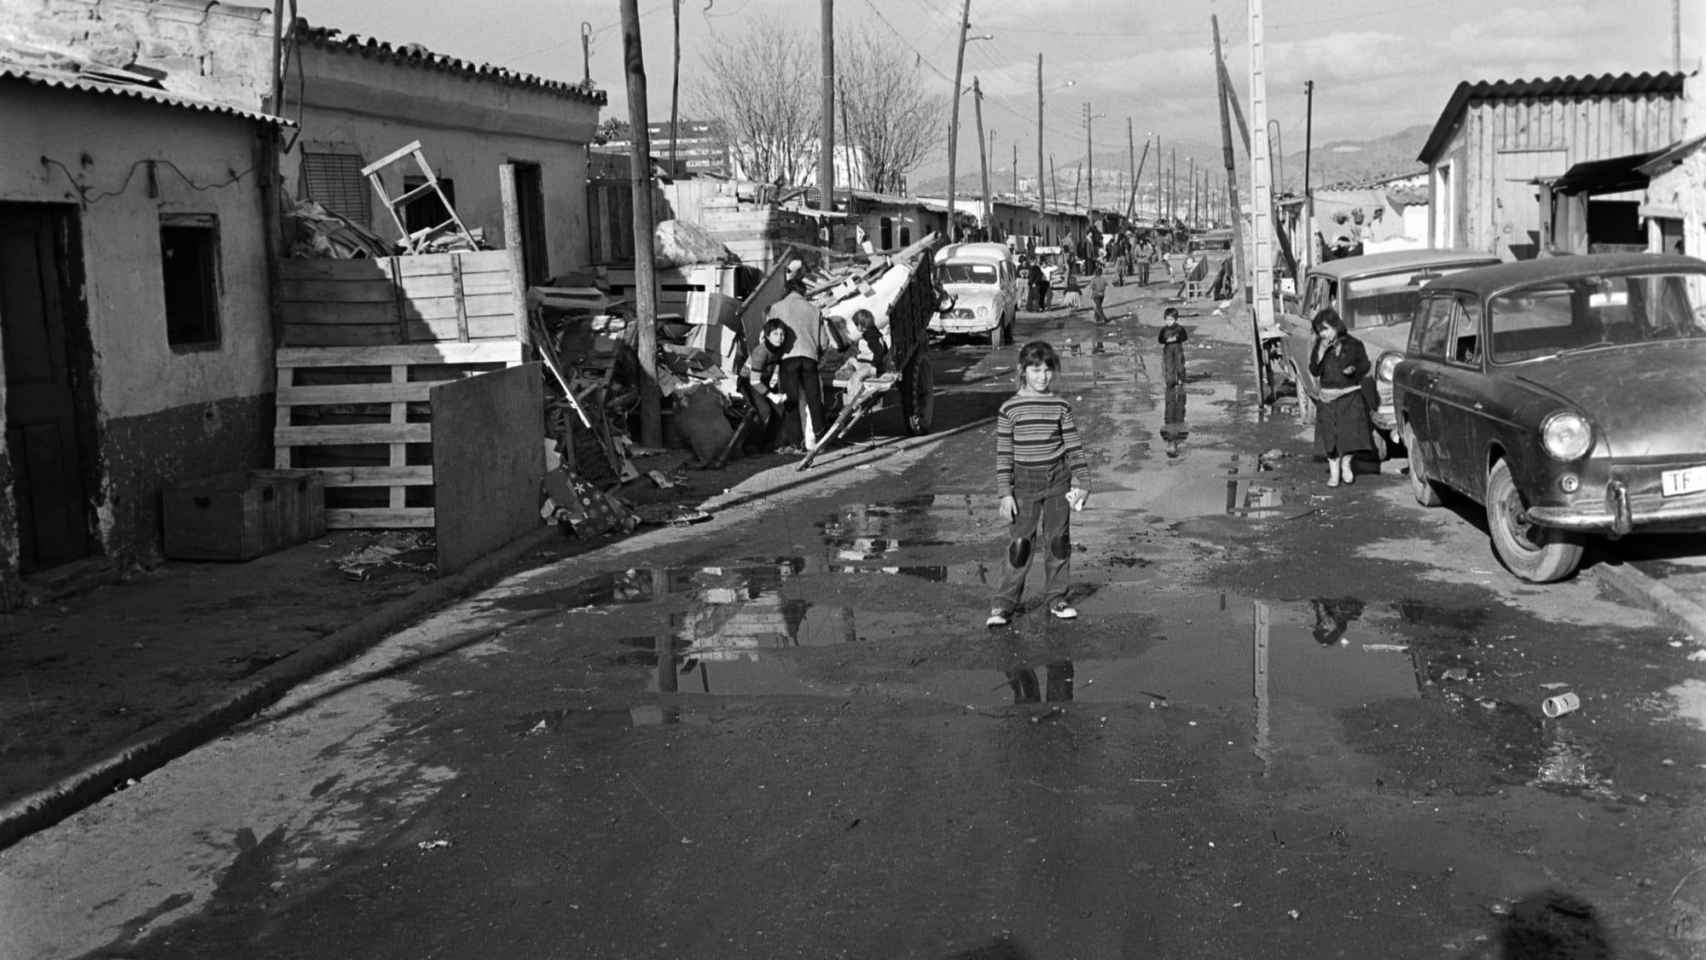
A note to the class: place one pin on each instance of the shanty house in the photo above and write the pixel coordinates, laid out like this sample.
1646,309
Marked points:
1494,141
134,321
360,99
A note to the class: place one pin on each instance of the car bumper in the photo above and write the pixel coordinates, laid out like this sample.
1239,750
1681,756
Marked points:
1622,511
943,324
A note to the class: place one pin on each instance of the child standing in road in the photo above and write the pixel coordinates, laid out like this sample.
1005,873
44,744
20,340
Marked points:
1098,292
1172,340
1042,476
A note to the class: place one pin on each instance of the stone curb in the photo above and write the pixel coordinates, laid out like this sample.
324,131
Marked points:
1654,595
171,740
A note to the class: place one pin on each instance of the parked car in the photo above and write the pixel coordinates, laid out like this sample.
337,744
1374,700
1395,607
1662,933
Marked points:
1565,395
1376,296
980,290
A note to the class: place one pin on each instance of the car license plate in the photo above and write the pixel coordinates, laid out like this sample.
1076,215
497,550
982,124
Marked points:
1675,483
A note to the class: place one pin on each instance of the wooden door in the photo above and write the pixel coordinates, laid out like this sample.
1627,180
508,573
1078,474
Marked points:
46,366
1516,201
530,208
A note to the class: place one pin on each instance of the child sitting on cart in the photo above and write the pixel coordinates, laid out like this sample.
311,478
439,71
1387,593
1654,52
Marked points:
870,358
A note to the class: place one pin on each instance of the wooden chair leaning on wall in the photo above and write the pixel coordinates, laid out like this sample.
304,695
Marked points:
412,243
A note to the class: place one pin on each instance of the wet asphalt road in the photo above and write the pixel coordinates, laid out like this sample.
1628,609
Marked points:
1291,722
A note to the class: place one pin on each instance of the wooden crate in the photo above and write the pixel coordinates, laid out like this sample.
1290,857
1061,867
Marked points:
416,299
361,418
677,285
242,515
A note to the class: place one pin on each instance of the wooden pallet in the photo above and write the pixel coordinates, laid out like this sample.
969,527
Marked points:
431,297
363,384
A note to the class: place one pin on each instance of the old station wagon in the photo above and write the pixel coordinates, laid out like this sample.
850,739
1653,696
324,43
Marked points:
1565,395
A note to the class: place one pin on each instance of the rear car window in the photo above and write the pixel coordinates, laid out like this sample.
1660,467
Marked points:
1583,313
966,273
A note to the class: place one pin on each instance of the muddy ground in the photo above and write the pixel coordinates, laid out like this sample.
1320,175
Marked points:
1290,722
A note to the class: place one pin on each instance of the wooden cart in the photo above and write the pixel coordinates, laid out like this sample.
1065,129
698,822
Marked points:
909,314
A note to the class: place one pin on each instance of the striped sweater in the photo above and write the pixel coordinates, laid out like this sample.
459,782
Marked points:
1036,430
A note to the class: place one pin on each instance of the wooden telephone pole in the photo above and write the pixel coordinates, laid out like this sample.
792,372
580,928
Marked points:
954,122
826,149
645,264
1234,213
982,160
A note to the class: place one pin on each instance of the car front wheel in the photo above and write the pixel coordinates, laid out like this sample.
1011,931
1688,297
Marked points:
1534,553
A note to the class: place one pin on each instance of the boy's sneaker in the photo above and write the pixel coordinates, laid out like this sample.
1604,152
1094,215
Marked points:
1061,610
997,618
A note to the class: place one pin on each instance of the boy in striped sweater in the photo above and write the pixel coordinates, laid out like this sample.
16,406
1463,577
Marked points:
1042,475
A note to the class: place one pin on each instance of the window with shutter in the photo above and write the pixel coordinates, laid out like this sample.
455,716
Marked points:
334,181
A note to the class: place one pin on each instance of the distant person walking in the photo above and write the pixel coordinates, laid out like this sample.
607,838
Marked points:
1145,257
1339,362
1098,292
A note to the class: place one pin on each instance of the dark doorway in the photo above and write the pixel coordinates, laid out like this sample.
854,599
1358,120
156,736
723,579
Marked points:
50,436
530,210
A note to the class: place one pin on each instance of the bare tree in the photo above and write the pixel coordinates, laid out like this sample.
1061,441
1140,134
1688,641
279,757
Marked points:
892,123
762,89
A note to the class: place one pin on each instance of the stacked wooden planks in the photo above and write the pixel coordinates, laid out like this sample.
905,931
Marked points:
416,299
362,418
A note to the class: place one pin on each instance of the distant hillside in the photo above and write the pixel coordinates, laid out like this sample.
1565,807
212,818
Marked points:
1337,161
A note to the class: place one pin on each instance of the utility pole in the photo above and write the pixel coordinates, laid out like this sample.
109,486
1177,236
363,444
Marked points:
826,149
645,272
1158,165
983,159
1233,212
1261,190
1137,177
1042,206
1089,160
954,123
1077,181
1308,194
1131,164
675,86
1191,199
1676,35
1173,188
1015,167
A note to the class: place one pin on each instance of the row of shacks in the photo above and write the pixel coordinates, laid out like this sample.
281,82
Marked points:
163,320
228,287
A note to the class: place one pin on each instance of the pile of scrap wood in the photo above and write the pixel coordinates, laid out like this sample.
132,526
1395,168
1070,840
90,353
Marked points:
320,233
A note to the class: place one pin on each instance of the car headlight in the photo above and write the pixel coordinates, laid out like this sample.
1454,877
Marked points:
1387,366
1567,435
982,312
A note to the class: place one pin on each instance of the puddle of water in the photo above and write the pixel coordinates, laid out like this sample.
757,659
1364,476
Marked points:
967,574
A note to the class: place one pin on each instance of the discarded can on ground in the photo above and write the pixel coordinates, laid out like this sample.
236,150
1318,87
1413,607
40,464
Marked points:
1561,704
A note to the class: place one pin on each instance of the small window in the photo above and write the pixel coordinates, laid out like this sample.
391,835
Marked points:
189,259
426,211
334,181
906,236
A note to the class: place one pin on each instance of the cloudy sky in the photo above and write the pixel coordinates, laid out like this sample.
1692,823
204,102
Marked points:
1378,65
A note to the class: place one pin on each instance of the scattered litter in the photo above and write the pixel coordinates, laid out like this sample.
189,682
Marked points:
433,844
537,729
1698,655
1676,643
1553,686
412,551
1557,706
1667,762
658,478
1386,647
1293,914
1455,673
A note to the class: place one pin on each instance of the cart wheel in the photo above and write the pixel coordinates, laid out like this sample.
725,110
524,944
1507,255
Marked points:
918,396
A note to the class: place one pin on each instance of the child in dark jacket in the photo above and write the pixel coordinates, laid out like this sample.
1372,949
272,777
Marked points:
1172,340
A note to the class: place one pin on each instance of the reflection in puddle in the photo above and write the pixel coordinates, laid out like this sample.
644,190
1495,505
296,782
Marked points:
1248,496
872,531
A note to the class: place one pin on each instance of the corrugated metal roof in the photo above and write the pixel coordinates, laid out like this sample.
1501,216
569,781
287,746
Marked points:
72,80
1602,85
415,55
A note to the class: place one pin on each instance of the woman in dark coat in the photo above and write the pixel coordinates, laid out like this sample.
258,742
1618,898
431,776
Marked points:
1339,362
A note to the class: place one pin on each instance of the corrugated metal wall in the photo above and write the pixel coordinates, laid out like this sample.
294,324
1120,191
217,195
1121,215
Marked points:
1583,128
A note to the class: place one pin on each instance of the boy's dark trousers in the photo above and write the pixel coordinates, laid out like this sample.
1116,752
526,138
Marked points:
800,382
1044,525
1097,303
